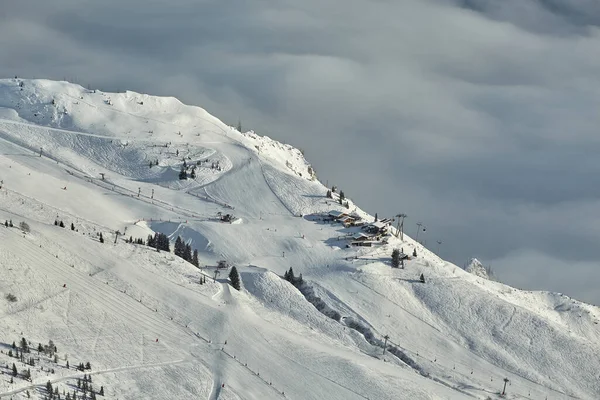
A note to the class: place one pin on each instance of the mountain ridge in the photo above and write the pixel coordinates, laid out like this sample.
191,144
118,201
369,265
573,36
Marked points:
460,333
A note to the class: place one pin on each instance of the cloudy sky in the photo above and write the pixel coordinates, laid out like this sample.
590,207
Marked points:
479,118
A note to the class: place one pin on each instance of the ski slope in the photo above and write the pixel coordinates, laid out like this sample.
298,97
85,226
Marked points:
151,331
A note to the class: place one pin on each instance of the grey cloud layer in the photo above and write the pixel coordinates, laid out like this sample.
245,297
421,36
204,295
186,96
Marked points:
477,117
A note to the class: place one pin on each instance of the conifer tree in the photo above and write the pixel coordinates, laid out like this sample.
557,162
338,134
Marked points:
182,174
422,278
329,194
342,196
376,219
14,345
6,224
55,222
395,258
195,258
101,391
72,226
101,238
187,253
61,224
179,247
14,370
235,278
10,224
415,252
24,345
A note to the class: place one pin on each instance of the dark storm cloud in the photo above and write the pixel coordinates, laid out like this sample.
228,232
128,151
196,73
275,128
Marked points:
477,117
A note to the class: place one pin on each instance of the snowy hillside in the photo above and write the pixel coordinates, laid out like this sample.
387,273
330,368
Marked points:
346,325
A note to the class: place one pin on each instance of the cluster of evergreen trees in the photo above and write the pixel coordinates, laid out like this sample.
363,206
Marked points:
8,224
341,198
62,224
159,241
83,367
184,250
289,276
183,174
136,241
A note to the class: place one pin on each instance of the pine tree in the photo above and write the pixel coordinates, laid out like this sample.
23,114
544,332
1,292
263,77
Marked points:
422,278
72,226
24,345
67,364
195,258
10,224
395,258
235,278
101,238
193,174
376,219
329,194
40,348
55,222
182,174
88,366
179,247
101,391
342,196
61,224
187,253
10,353
6,224
415,252
14,370
14,345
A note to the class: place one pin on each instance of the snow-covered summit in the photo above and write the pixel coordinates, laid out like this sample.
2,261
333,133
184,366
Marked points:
476,268
128,166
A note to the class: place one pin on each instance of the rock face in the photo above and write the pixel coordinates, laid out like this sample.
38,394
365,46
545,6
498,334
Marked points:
475,267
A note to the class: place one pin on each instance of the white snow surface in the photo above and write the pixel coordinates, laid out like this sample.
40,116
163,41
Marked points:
151,331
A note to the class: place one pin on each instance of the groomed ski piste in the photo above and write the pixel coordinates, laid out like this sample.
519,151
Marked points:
150,330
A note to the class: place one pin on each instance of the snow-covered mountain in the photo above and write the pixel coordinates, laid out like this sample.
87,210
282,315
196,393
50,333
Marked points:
153,326
476,268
